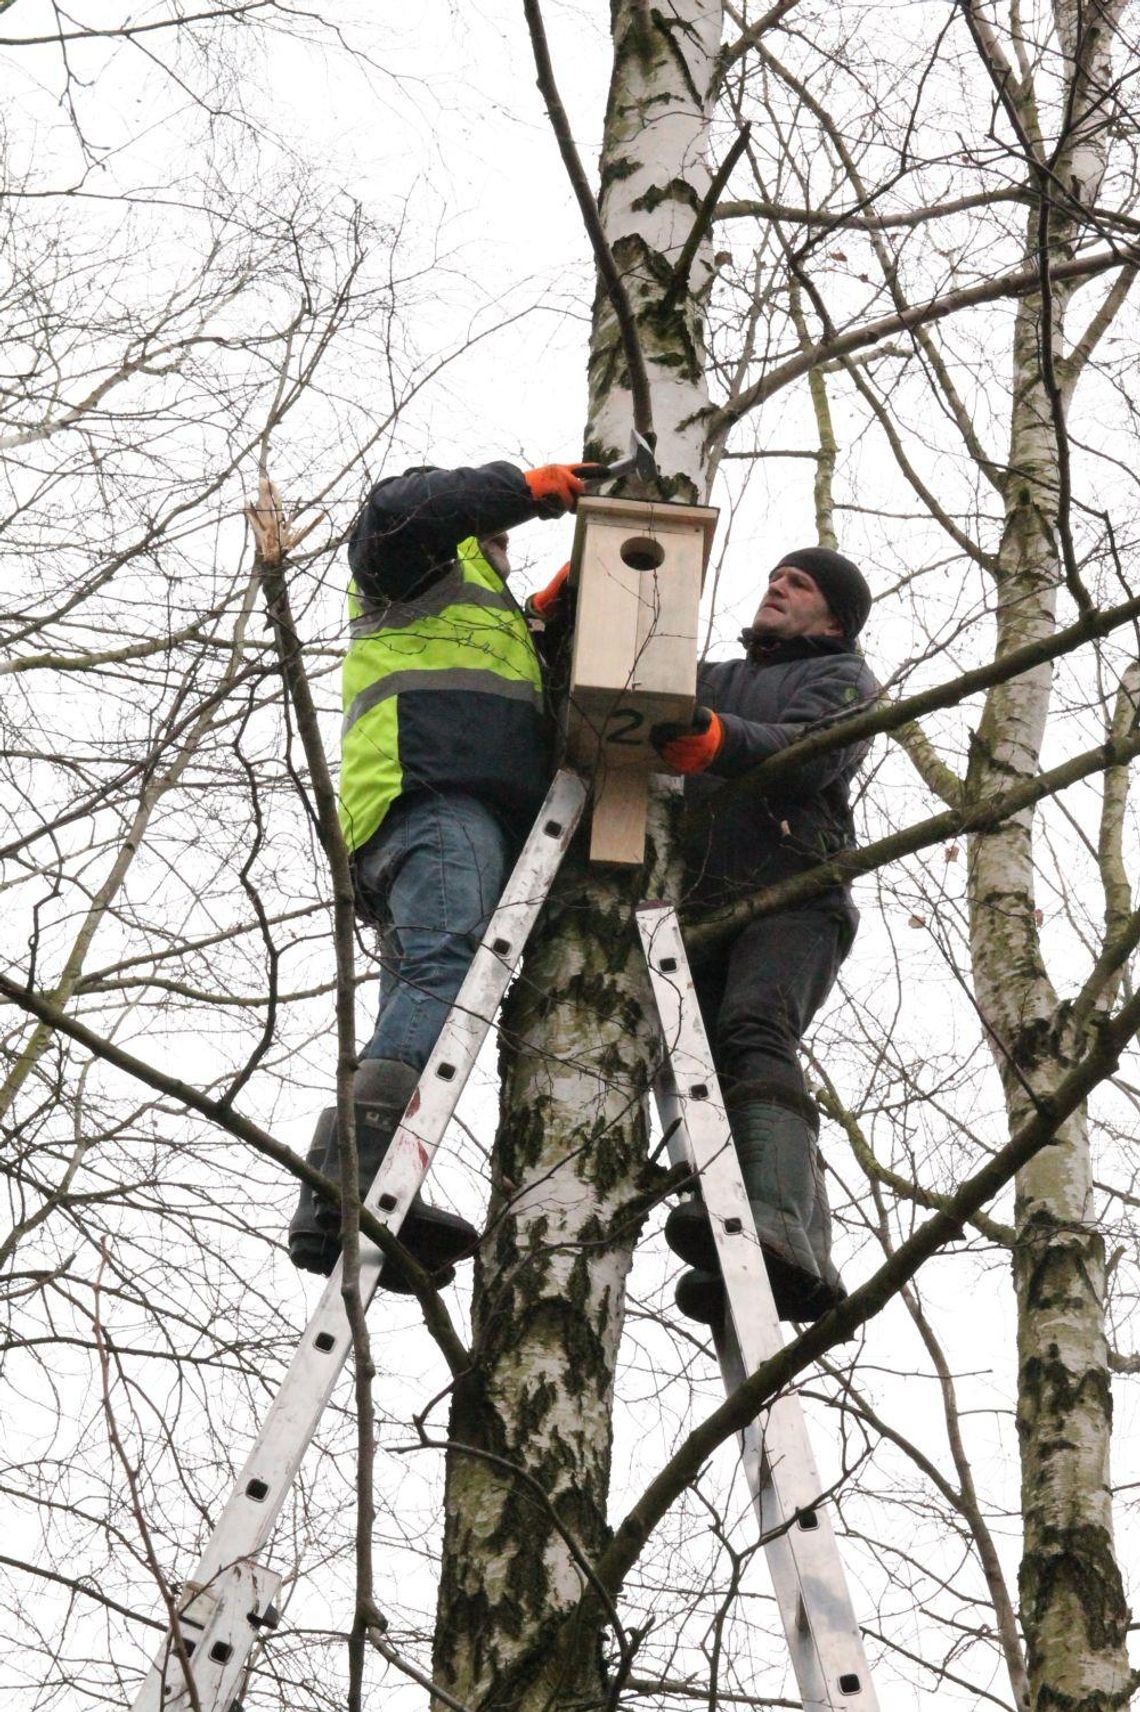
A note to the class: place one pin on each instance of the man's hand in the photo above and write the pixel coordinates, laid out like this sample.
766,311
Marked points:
689,748
558,487
542,603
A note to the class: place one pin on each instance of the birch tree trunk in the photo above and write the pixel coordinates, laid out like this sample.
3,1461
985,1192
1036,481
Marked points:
531,1427
1072,1603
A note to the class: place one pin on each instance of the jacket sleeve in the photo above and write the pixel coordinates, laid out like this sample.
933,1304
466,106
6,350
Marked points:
826,690
410,527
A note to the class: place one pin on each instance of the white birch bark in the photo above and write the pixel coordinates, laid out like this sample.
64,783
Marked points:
654,178
1072,1604
571,1180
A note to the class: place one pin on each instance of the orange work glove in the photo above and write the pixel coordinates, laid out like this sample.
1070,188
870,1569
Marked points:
689,748
558,486
543,601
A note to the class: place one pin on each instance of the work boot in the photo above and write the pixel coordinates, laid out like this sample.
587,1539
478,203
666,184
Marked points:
700,1296
775,1138
381,1090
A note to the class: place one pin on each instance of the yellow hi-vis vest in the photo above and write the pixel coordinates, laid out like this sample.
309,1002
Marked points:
442,691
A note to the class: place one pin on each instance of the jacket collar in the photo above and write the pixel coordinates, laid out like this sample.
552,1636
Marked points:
779,652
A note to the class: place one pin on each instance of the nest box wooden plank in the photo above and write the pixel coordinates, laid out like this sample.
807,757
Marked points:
639,567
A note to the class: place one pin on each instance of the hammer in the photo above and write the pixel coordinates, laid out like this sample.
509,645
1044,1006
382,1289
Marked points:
640,462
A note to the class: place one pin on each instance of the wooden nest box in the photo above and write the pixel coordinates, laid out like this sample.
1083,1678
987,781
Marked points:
639,567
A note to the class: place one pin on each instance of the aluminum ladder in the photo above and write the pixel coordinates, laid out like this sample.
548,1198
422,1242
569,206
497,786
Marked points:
227,1602
823,1636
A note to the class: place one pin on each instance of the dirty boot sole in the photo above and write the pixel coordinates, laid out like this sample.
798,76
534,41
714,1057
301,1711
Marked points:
434,1238
391,1278
437,1238
797,1294
700,1294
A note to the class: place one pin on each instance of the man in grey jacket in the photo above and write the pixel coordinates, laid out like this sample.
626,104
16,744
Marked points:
759,992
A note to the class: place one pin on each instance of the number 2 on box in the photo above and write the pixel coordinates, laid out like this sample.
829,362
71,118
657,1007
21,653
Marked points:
624,733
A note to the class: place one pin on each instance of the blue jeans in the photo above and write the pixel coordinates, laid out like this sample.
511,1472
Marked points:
432,875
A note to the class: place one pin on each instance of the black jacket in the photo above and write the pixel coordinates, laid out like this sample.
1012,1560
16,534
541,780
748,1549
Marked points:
765,702
405,537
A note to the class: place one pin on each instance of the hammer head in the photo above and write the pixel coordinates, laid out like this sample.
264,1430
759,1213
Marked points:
640,462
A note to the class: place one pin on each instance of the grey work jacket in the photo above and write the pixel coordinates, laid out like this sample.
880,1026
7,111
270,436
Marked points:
768,699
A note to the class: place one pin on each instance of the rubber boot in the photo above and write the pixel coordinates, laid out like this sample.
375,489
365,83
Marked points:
700,1296
381,1090
311,1248
775,1140
819,1235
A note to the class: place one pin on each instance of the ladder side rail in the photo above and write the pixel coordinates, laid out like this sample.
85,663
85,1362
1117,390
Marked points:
803,1561
251,1511
799,1591
823,1636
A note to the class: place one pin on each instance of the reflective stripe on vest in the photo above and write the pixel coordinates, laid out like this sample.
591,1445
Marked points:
466,633
400,614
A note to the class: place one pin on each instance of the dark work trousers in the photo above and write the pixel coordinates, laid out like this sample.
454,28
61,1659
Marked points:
759,992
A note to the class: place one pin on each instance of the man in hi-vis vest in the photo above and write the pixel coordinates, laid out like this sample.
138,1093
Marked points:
445,759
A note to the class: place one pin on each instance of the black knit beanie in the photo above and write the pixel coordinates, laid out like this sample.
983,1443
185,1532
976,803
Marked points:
842,585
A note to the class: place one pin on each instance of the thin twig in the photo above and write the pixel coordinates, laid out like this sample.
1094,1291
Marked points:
274,538
137,1509
375,1638
603,255
679,278
1019,282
